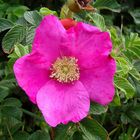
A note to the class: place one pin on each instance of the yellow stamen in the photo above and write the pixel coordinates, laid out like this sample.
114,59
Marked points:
65,70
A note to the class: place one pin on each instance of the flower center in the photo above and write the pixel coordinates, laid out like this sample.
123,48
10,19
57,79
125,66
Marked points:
65,70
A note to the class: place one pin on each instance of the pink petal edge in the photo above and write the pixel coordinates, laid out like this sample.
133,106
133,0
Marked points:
31,73
63,103
99,82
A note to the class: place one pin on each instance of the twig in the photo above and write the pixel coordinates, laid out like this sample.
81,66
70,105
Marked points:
52,133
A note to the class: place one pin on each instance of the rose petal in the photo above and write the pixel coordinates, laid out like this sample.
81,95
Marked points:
49,37
99,81
31,72
61,103
89,44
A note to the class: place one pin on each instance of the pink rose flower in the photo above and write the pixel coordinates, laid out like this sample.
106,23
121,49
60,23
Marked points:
66,69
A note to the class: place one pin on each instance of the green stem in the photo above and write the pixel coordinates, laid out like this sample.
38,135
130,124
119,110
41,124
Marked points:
9,132
32,115
114,130
134,133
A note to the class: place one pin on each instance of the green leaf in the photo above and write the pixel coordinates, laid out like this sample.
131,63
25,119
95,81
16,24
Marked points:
45,11
6,87
97,109
117,39
4,91
64,132
108,4
132,40
22,21
116,100
11,123
39,135
30,35
125,86
19,10
61,132
8,83
123,66
12,102
132,44
21,135
13,36
78,136
135,111
33,17
92,130
19,50
135,73
125,136
137,65
135,50
136,15
11,111
5,24
98,20
125,119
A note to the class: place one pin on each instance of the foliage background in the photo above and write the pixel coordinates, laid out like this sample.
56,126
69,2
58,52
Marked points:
20,119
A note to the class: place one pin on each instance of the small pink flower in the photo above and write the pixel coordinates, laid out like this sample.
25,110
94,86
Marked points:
66,69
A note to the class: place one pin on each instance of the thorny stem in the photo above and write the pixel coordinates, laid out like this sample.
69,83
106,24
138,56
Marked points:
52,133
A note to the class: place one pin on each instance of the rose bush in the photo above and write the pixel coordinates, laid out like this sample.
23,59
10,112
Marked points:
63,85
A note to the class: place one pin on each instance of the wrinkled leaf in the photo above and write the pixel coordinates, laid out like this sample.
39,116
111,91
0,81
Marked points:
98,20
125,86
97,109
5,24
13,36
92,130
33,17
107,4
30,35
